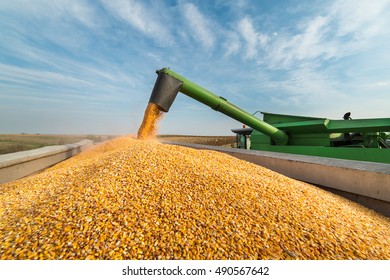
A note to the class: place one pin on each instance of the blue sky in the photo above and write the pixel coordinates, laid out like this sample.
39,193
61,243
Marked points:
89,66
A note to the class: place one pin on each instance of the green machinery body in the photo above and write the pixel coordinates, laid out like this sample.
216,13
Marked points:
360,139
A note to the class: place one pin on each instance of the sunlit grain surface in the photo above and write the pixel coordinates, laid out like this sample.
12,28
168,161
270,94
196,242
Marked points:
132,199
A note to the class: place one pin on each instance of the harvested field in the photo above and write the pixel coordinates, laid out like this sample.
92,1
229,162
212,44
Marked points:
132,199
228,141
11,143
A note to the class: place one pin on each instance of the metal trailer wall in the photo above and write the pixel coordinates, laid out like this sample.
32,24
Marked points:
20,164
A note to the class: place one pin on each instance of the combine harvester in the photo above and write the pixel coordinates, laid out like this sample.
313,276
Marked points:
348,157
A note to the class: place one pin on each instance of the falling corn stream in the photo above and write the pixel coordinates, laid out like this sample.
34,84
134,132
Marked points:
133,199
149,126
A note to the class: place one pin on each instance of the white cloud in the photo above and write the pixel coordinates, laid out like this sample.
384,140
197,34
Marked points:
247,31
310,41
363,18
309,92
236,7
71,77
382,84
55,10
154,56
23,75
232,44
83,12
309,44
82,83
339,30
199,25
379,85
254,40
28,27
141,17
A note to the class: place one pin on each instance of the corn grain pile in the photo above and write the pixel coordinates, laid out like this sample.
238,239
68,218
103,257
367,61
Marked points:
132,199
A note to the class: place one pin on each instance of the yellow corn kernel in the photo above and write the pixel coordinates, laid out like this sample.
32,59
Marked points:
132,199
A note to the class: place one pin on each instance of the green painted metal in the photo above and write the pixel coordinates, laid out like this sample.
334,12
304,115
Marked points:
220,104
349,153
329,138
273,118
362,139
